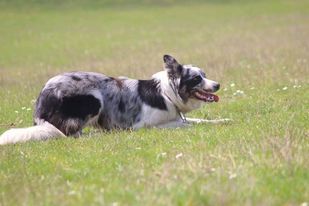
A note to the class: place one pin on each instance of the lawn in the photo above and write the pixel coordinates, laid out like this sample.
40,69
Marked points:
257,50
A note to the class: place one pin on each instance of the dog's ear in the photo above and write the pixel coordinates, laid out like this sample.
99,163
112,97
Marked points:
172,66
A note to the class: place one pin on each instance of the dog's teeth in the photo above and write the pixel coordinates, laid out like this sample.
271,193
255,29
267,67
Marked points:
210,98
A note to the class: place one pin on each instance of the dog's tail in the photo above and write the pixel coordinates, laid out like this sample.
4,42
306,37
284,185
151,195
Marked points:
43,131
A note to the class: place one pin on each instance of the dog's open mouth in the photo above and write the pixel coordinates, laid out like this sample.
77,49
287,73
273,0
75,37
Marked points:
205,96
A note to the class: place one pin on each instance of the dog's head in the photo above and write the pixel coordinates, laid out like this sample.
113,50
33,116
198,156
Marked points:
190,83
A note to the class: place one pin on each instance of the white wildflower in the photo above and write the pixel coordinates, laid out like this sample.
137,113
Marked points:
179,155
16,111
285,88
232,84
232,176
23,108
161,155
72,192
296,86
238,93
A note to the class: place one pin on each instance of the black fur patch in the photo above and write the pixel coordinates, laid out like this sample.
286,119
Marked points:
190,82
47,105
76,78
150,94
80,106
121,106
179,69
67,114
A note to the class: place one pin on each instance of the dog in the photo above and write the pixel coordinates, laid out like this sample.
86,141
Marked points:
71,101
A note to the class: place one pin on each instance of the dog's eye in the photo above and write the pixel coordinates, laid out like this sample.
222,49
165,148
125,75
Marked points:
197,78
190,83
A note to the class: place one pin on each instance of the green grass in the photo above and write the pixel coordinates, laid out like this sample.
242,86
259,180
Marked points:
261,158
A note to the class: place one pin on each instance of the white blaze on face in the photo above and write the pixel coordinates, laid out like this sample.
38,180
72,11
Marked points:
209,85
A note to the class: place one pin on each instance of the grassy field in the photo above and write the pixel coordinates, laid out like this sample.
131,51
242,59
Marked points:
257,50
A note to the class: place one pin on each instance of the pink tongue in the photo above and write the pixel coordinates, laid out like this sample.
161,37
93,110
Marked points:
216,98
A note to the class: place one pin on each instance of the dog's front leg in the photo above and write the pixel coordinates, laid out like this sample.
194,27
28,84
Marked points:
214,121
174,124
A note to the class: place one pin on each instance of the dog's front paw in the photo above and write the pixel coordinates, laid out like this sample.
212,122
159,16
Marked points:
213,121
222,121
226,120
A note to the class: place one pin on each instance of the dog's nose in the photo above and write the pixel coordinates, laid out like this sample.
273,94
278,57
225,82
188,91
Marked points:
217,87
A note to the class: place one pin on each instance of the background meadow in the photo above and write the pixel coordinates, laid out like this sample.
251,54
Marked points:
257,50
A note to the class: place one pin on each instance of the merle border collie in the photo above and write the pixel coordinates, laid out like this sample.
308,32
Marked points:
71,101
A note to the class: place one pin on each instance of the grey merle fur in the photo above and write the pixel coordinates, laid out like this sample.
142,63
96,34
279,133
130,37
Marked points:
72,100
67,101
